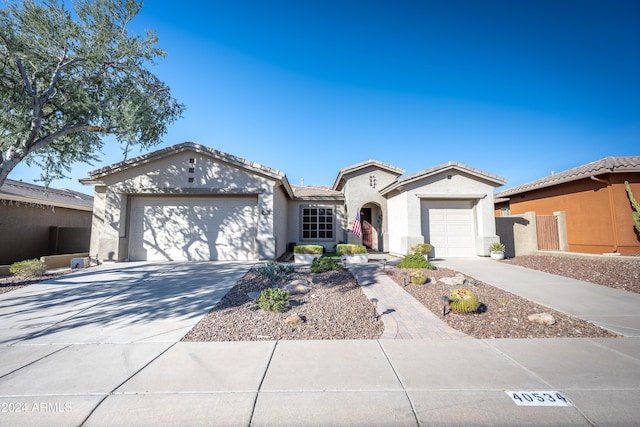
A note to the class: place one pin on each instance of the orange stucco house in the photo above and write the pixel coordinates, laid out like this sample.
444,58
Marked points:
594,202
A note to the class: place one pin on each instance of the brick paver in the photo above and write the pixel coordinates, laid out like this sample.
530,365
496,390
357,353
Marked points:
404,317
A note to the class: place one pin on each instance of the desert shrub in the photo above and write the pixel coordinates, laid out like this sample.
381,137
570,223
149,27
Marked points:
418,277
463,300
350,249
416,261
322,264
422,248
274,272
273,299
308,249
28,268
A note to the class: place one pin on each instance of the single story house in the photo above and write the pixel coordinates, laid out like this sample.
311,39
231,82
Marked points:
593,200
36,221
192,202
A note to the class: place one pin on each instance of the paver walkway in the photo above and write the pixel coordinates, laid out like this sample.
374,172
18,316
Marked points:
404,317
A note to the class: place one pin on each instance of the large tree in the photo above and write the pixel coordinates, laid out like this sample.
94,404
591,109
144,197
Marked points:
68,80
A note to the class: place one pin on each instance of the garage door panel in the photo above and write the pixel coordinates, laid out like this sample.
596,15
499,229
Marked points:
193,229
449,227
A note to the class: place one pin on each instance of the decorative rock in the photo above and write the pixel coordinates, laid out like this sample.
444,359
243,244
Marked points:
294,319
457,280
542,318
253,295
296,287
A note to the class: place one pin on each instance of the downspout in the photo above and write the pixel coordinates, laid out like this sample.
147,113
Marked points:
611,210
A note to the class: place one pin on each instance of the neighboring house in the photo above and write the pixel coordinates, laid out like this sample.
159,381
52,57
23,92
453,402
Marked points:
36,221
591,198
191,202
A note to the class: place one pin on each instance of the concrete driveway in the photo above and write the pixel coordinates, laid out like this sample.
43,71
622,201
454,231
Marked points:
118,303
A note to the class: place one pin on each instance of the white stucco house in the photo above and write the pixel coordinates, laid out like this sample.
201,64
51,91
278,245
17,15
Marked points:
191,202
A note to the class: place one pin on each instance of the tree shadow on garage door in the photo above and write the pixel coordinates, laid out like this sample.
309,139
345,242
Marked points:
135,300
194,228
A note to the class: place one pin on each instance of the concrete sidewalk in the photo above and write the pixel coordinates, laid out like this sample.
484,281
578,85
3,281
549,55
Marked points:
318,383
609,308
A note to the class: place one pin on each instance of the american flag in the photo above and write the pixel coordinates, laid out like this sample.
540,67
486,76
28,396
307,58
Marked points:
357,226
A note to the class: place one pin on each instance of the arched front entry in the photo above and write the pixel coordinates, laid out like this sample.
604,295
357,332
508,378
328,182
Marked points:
372,226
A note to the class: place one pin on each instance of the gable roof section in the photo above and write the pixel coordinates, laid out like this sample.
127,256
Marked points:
493,179
394,170
607,165
312,192
96,175
18,191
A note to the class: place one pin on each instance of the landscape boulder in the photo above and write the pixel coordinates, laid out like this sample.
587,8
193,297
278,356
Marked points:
457,280
294,319
296,287
542,318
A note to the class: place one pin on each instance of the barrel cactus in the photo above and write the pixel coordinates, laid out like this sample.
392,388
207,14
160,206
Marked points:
463,300
418,277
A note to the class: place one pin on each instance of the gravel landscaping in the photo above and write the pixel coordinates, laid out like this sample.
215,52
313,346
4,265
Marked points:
504,315
336,308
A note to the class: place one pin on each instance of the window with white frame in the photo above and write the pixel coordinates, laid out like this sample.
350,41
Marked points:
317,222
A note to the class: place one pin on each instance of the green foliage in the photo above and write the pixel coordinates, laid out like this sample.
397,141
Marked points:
70,78
496,247
422,248
636,206
308,249
350,249
416,261
418,277
322,264
274,272
463,300
273,299
28,268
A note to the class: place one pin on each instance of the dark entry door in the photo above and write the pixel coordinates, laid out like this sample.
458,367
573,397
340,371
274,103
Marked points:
367,228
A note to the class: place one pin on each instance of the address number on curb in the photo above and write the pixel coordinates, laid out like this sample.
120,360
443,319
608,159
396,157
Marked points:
538,398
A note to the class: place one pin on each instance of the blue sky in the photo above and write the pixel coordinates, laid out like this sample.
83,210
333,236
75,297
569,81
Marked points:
515,88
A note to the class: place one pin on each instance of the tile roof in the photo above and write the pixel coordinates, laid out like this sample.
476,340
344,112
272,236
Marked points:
603,166
30,193
316,192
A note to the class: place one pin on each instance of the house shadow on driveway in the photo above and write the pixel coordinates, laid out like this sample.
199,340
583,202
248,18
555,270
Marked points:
125,302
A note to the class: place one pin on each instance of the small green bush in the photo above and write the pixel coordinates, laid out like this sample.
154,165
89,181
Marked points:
416,261
273,299
350,249
28,268
308,249
422,248
322,264
418,277
274,272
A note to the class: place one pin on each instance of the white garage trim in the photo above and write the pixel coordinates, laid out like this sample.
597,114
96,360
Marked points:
174,228
450,227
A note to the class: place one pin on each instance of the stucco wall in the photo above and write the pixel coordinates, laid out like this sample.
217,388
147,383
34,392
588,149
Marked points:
25,230
448,185
598,216
361,188
171,175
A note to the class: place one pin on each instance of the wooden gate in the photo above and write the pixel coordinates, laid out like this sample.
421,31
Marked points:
548,239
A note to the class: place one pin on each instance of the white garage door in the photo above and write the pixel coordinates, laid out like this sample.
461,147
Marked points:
449,227
193,228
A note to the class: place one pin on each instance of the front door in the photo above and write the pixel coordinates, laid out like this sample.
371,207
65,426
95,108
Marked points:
367,228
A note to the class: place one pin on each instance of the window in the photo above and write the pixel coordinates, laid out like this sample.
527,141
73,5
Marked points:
504,212
317,223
